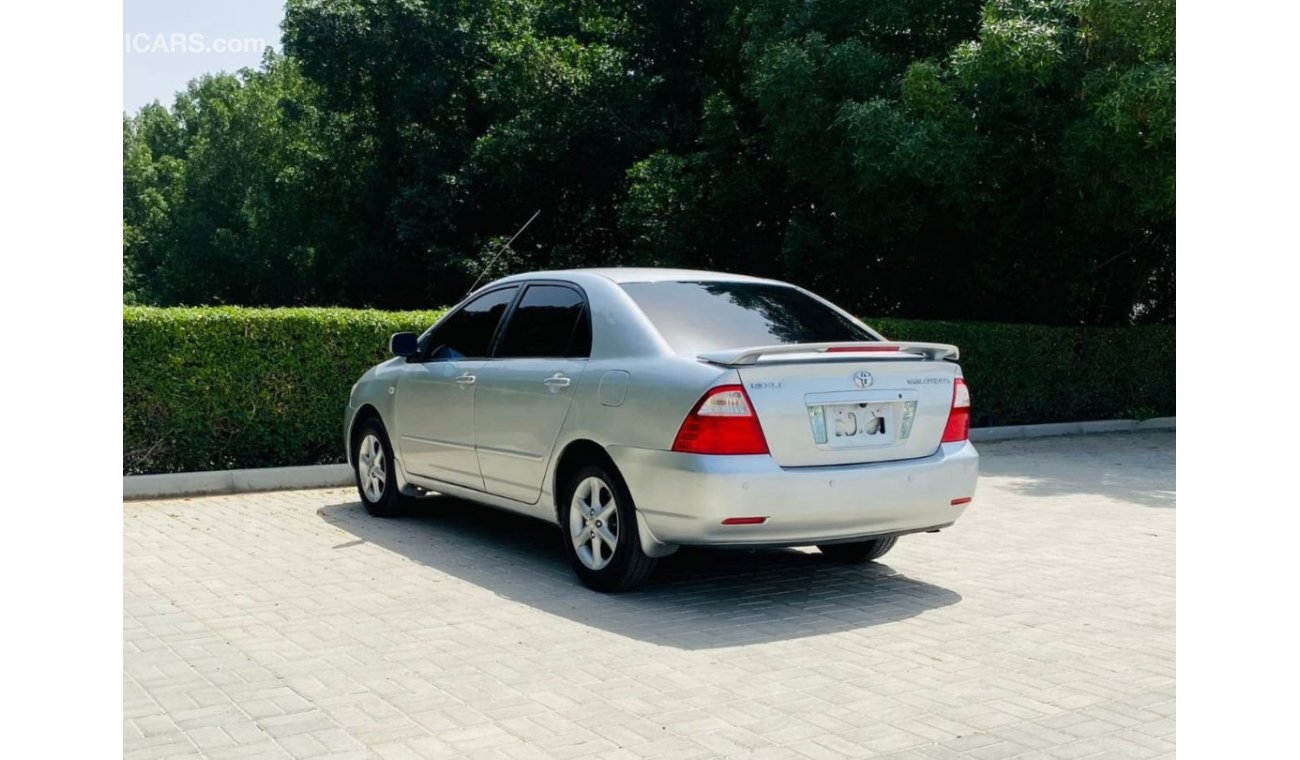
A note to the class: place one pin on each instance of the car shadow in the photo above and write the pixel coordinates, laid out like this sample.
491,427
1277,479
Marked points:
697,598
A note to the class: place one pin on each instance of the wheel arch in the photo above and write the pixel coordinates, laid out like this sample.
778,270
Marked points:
584,451
364,413
576,454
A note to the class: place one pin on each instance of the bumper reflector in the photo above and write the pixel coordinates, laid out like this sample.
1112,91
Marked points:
962,500
744,521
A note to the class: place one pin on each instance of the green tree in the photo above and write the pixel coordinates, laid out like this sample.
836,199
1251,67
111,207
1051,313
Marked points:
1013,162
1008,160
223,193
152,173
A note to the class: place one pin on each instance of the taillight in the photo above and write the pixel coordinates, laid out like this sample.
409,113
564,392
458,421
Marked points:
723,422
958,428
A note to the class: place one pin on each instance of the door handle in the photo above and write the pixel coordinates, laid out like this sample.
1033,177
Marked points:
557,381
466,379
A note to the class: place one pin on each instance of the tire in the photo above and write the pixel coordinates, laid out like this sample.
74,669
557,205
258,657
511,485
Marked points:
586,510
858,551
373,466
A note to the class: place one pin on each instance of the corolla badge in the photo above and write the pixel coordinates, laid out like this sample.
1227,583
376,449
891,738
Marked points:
863,379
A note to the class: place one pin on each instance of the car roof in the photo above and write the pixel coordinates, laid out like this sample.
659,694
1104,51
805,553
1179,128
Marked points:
623,275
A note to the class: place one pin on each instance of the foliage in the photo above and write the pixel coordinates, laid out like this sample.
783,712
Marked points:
1011,160
1029,374
215,388
222,193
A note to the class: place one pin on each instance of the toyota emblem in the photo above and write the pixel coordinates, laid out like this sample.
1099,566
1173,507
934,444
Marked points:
863,379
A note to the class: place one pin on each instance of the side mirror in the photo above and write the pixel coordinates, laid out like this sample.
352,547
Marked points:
404,344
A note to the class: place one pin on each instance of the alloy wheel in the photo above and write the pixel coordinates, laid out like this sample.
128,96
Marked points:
593,523
372,468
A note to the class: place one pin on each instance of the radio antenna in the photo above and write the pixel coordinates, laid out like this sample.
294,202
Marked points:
503,250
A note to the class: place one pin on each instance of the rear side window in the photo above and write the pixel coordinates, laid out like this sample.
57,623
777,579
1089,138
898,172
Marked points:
696,317
468,332
550,321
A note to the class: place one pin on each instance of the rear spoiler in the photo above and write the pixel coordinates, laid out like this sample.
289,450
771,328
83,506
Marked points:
736,357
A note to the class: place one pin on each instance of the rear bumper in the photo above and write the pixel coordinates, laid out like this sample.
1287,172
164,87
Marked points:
683,498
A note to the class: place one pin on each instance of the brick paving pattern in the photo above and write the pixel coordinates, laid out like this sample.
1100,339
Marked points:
293,625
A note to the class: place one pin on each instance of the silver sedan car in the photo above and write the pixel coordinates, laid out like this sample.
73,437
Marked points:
641,410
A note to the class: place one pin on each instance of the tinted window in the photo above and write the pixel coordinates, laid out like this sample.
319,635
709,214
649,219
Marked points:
467,333
696,317
549,321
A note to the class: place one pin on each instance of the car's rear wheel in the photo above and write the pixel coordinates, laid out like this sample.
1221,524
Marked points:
598,522
858,551
372,456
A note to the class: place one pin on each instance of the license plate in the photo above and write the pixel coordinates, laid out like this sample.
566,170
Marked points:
851,425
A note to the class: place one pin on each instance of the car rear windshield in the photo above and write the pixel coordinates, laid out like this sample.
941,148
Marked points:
697,317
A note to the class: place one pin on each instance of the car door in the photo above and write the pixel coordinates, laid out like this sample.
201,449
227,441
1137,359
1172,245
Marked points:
434,403
525,390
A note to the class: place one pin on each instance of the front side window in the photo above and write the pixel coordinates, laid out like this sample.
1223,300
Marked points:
698,317
467,334
550,321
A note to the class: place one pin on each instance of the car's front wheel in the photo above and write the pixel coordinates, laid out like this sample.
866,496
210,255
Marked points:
598,521
372,456
858,551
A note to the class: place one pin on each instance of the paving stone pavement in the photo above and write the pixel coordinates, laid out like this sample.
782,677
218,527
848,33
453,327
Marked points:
292,624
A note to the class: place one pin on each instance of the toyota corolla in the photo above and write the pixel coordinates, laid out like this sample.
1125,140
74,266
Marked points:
642,410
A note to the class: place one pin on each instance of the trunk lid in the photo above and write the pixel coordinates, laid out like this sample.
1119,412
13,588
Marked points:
847,404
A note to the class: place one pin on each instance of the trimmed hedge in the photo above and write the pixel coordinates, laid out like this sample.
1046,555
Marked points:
218,388
1024,374
226,387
